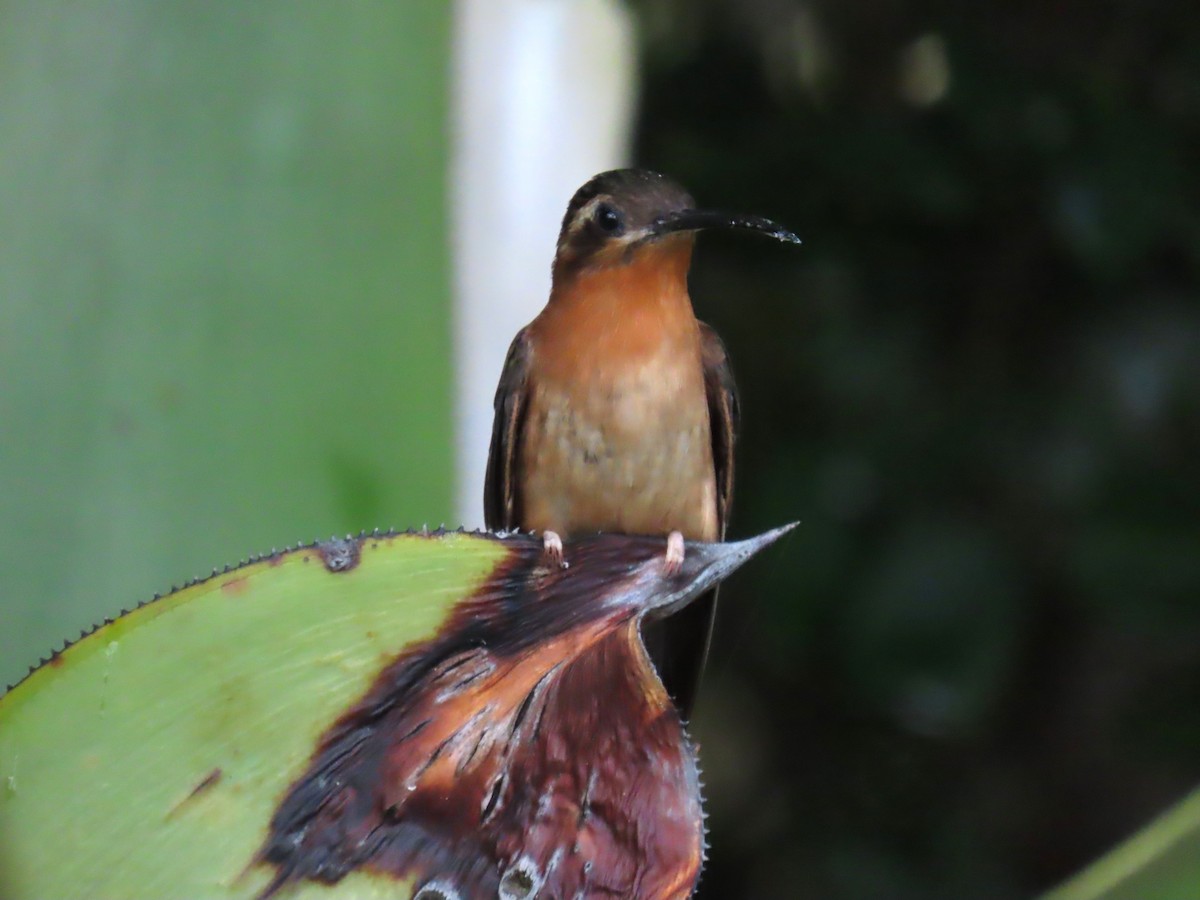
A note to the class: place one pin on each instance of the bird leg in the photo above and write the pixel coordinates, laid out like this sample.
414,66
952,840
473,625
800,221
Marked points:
553,549
674,558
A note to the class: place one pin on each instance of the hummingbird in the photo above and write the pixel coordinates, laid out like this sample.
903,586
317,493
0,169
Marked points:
616,408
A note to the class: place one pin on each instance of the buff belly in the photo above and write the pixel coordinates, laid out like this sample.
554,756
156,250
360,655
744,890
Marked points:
632,456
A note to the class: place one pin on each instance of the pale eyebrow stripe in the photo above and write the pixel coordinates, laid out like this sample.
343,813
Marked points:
585,212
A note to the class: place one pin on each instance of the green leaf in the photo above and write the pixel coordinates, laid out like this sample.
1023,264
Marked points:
237,675
1160,862
153,757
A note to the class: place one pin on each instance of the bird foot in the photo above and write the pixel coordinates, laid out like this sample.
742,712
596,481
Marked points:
553,549
674,558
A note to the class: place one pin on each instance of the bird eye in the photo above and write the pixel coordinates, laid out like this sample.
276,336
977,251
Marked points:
608,218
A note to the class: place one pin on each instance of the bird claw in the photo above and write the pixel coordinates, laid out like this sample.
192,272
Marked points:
673,561
552,547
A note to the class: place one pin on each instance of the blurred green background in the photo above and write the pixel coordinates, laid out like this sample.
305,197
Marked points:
977,663
224,323
224,292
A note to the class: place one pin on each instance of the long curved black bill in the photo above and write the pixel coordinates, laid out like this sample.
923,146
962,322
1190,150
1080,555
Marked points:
697,219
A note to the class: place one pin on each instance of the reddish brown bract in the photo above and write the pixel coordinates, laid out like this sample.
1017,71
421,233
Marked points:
527,750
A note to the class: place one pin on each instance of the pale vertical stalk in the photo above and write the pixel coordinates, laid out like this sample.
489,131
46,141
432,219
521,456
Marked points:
544,93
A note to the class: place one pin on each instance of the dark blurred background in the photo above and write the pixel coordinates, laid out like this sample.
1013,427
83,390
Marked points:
976,665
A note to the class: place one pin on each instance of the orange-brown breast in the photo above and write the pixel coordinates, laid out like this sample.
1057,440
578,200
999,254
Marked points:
617,432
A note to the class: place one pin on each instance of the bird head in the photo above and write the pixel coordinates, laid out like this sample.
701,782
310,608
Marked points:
627,214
